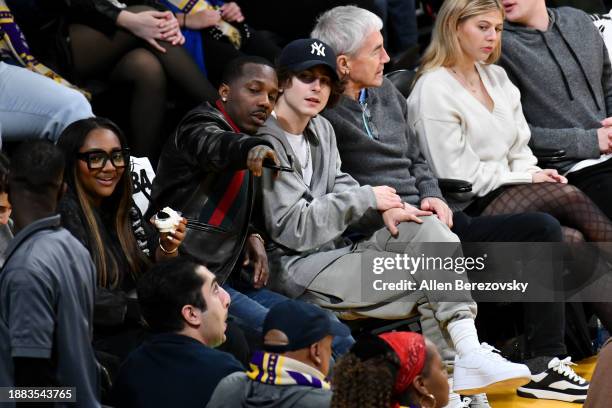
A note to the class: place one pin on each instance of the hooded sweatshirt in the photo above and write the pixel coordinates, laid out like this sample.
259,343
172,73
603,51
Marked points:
565,79
308,220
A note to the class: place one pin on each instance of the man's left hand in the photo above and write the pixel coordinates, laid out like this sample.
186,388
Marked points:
255,255
440,208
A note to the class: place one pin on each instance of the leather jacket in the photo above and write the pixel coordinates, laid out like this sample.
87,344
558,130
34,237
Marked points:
193,172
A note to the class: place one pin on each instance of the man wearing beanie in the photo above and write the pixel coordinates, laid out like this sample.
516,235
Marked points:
291,370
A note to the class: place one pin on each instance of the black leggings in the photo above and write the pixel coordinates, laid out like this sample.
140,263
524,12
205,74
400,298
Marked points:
125,58
544,323
596,182
217,53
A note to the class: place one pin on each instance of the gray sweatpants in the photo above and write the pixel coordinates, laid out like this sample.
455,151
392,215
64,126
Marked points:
339,285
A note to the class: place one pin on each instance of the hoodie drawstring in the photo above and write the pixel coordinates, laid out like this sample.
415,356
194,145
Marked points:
571,50
554,57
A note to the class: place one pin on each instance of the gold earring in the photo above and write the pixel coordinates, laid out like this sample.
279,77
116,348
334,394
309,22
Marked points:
430,397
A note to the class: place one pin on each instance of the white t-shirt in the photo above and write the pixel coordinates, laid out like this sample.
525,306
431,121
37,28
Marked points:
301,148
604,26
590,162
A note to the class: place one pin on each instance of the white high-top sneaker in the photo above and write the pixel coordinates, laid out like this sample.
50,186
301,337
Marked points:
484,369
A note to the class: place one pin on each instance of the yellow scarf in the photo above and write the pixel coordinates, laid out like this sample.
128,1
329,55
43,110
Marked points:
271,368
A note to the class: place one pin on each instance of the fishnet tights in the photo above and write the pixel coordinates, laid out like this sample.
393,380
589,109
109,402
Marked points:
580,218
578,215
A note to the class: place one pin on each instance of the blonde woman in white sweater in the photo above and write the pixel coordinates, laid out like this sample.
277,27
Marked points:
470,125
469,122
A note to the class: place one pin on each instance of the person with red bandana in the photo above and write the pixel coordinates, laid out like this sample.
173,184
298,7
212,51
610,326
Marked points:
391,370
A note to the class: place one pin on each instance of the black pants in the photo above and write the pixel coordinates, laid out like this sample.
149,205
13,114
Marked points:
544,323
596,182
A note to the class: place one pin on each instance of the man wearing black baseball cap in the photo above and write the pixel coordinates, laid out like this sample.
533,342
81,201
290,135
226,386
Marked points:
306,53
291,370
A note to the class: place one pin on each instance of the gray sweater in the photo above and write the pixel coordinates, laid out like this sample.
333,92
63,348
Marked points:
238,390
306,222
565,79
394,158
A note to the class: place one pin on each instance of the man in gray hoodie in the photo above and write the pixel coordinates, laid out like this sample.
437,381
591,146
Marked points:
327,241
558,60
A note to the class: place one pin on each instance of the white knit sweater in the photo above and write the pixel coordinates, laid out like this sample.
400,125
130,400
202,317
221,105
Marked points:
462,139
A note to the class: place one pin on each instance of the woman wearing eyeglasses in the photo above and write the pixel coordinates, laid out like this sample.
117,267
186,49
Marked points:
98,206
98,210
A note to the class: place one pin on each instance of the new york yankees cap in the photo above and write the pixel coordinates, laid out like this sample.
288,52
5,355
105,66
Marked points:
306,53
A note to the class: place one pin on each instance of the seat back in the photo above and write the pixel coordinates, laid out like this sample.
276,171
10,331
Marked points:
142,175
402,79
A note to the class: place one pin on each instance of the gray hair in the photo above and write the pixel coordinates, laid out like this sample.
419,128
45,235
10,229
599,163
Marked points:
345,27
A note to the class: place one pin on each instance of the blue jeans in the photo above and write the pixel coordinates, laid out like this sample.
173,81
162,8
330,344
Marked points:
35,107
250,307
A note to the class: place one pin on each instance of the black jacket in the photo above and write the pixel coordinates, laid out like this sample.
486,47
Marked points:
193,171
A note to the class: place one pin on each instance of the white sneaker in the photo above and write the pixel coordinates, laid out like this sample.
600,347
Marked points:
558,382
484,369
455,401
479,401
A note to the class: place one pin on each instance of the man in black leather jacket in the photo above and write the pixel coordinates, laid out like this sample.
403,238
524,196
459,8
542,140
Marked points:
206,171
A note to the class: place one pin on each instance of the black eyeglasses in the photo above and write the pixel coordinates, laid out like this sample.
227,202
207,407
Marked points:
96,159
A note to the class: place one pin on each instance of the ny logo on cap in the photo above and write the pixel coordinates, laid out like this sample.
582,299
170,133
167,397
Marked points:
318,48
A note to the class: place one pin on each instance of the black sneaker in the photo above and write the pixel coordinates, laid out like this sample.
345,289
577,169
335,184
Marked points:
558,382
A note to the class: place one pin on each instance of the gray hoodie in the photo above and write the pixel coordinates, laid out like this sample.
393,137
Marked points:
306,222
565,79
238,390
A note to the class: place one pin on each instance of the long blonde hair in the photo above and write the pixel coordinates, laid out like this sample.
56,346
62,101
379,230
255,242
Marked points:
444,48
